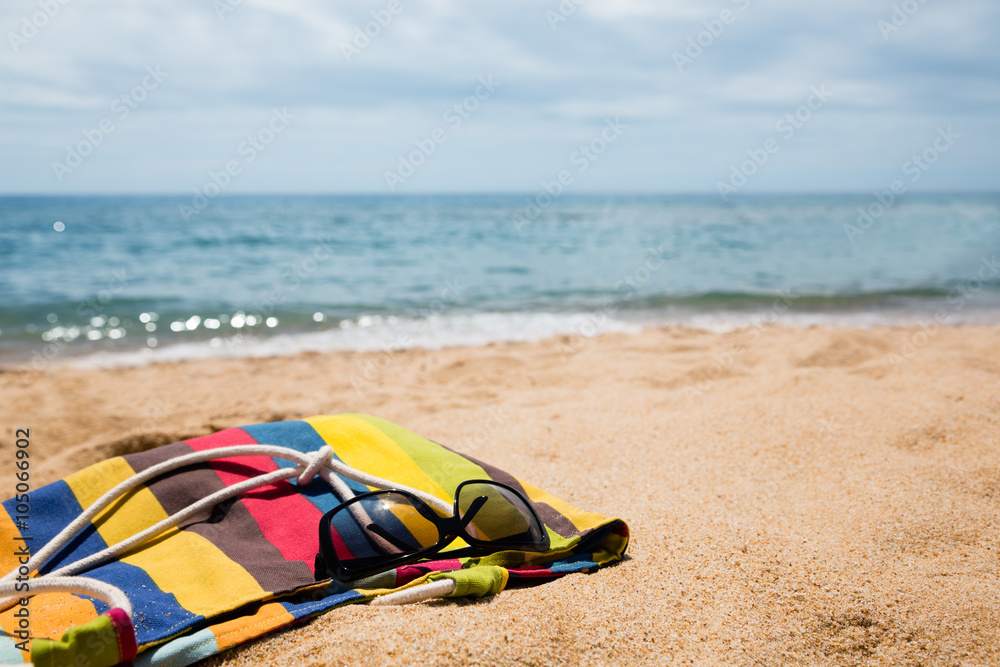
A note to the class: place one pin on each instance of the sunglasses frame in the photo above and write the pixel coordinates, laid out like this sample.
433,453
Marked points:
449,529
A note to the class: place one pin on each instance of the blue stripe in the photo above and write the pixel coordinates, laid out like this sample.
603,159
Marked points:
9,654
575,564
299,435
53,507
180,652
300,610
202,644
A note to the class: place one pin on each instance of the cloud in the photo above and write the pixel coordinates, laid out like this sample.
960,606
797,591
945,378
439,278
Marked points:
363,99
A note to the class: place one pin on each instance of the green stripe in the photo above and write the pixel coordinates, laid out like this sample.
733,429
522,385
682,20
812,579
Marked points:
446,468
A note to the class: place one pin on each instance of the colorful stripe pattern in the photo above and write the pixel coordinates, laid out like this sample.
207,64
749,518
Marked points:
250,561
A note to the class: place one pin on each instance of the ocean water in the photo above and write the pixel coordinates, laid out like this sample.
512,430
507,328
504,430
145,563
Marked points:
118,280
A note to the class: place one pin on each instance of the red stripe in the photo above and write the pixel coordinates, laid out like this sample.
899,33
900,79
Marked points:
340,546
407,573
271,505
534,572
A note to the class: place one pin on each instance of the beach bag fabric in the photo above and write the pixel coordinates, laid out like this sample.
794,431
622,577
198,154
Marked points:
245,568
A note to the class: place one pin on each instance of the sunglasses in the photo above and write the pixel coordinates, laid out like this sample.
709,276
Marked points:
381,530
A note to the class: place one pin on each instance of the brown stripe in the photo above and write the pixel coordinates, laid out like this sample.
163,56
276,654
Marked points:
548,514
229,525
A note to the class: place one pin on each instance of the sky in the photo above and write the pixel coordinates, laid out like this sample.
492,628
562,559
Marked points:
394,96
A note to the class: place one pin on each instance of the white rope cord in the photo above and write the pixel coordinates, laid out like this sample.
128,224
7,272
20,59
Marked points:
343,491
320,462
151,532
371,480
105,592
60,540
175,519
319,459
421,593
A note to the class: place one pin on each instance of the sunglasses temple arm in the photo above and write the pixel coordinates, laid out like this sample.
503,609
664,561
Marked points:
474,508
362,519
390,538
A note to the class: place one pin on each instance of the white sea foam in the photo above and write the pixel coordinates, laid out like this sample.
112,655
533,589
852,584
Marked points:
464,330
476,329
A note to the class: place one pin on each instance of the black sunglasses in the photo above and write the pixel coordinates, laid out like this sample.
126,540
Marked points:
381,530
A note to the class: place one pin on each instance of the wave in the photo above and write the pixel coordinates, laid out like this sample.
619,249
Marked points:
386,335
378,334
137,331
908,297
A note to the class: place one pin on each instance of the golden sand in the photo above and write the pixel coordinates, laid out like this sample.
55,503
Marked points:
809,496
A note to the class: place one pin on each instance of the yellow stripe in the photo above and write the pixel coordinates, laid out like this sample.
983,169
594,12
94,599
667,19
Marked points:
448,468
385,449
179,562
363,446
452,469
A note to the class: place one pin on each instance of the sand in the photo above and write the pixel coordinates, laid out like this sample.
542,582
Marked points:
814,496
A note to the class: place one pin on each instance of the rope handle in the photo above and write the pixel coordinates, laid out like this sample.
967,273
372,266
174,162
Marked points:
103,591
321,462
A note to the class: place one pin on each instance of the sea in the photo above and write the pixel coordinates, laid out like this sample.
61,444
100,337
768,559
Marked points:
120,280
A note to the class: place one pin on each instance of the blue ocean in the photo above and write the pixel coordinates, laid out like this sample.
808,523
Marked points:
121,280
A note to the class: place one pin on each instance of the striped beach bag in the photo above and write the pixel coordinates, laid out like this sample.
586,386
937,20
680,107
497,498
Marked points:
217,540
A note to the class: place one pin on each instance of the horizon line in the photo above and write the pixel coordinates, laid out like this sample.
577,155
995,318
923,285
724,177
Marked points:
494,193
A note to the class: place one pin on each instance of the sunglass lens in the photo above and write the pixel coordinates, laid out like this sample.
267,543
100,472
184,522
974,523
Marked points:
497,515
378,527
